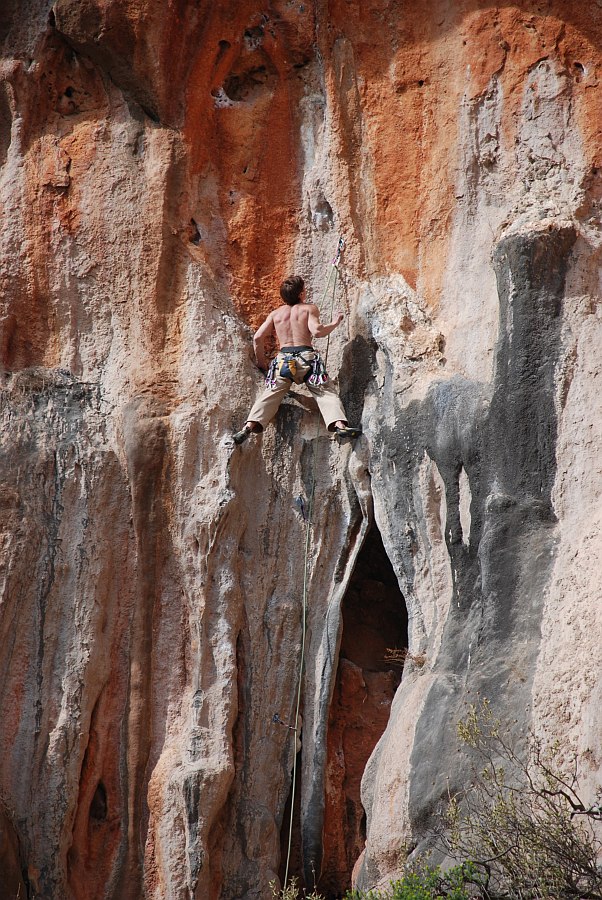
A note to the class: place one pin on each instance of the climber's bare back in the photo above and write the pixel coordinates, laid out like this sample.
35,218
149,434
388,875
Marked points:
291,324
295,326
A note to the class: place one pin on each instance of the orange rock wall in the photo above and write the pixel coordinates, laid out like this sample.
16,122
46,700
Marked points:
162,166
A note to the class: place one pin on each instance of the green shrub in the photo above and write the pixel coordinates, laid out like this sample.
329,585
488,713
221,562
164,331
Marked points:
426,883
423,883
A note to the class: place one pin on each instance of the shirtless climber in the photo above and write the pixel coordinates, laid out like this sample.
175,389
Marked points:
295,323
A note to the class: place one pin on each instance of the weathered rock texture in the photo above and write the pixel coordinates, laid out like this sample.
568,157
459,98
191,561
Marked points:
162,165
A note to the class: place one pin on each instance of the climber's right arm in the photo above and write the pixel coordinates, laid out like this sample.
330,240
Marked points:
317,329
259,339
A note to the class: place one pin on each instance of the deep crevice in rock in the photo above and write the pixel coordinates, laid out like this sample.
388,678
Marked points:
375,634
374,638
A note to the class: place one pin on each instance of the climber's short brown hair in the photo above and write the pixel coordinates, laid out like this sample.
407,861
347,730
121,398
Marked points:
291,289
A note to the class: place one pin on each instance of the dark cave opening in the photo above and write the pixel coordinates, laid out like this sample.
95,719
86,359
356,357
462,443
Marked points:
375,623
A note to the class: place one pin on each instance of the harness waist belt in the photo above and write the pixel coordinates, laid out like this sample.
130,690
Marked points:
294,349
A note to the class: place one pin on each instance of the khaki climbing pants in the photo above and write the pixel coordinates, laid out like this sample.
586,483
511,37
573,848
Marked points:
266,405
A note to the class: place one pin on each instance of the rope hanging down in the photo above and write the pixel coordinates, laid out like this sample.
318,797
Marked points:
332,277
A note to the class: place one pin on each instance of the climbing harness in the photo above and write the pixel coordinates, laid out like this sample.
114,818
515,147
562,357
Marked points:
308,514
286,365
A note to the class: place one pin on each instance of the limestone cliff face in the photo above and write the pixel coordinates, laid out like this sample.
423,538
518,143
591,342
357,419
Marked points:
162,166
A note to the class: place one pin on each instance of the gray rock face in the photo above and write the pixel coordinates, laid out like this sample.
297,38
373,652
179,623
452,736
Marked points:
500,567
161,167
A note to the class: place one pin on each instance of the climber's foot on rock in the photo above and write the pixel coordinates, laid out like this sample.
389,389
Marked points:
241,436
347,431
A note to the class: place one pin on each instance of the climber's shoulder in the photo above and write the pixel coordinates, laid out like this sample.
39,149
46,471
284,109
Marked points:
267,326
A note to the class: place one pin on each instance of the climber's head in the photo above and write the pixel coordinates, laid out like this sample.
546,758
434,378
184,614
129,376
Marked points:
291,290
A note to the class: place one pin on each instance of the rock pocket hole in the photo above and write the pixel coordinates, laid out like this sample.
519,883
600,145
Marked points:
252,77
254,37
98,806
194,234
579,70
375,635
247,85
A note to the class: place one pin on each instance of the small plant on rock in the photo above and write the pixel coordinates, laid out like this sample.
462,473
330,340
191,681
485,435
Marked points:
292,891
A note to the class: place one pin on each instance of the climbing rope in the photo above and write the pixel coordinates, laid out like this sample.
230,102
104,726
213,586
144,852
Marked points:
332,278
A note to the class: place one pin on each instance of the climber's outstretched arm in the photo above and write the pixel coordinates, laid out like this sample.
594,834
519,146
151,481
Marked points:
316,328
259,339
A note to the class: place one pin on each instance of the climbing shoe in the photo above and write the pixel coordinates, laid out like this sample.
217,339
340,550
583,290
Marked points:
241,436
347,432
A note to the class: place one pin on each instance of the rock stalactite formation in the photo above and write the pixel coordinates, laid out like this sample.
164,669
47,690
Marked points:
162,166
